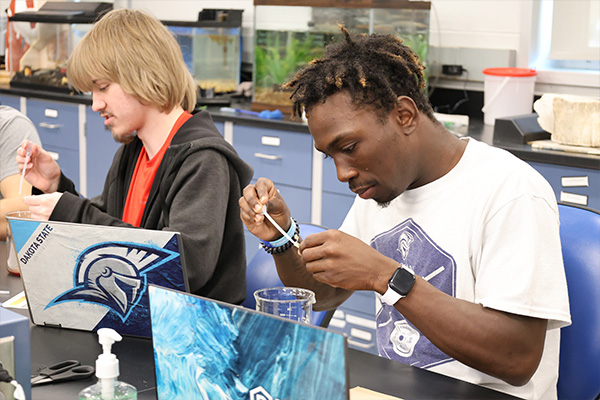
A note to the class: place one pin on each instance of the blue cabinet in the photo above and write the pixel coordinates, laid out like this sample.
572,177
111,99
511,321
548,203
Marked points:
57,123
220,127
11,101
336,197
580,186
356,318
252,245
282,156
58,127
285,158
335,208
100,151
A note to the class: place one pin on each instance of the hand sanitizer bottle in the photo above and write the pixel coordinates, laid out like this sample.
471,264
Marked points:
107,371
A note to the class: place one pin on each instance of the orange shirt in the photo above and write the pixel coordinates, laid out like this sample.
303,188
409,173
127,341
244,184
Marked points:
143,177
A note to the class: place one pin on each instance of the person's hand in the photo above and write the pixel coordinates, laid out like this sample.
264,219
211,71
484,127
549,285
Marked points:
41,206
42,171
341,260
251,203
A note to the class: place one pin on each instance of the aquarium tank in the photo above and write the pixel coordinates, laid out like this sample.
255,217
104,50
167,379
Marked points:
211,48
288,37
41,41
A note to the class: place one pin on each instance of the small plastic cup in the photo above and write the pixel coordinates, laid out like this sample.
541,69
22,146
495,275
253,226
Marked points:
287,302
12,262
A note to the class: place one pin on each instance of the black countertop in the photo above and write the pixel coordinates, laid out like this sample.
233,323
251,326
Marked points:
477,129
47,95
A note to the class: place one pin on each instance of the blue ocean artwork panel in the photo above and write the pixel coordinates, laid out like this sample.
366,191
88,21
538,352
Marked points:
205,349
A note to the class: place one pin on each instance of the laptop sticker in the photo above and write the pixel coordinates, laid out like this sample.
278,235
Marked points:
90,276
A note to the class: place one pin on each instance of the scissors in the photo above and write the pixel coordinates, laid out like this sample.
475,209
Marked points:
68,370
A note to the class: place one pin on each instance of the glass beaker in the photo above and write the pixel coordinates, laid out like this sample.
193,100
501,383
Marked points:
12,263
287,302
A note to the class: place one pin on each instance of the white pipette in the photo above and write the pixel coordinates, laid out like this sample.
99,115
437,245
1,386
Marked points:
27,156
279,228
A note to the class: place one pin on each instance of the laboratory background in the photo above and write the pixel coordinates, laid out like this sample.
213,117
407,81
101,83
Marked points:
521,75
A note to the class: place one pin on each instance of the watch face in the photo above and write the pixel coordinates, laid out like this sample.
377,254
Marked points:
402,281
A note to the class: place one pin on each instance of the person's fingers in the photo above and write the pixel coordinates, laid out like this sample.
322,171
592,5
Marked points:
251,203
247,214
263,187
31,200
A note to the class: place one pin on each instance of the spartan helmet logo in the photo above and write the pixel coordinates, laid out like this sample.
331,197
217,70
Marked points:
406,238
114,275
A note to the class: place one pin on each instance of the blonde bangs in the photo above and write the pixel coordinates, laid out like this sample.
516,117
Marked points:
85,65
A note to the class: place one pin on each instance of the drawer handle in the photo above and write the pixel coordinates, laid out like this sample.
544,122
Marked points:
359,344
49,126
267,156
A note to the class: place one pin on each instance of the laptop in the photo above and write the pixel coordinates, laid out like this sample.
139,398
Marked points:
88,277
206,349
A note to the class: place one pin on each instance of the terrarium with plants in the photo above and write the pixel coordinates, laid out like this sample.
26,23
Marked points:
287,38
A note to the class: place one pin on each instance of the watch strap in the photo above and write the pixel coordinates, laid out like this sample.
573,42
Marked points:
390,297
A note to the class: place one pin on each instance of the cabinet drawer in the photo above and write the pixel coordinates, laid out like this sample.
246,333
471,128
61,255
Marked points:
283,157
572,185
252,245
57,123
330,181
68,161
11,101
298,201
220,127
334,209
101,149
361,301
359,327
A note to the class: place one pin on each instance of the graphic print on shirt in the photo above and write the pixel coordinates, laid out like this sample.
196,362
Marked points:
397,338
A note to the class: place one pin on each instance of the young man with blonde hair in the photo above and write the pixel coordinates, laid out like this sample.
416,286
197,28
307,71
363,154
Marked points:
174,170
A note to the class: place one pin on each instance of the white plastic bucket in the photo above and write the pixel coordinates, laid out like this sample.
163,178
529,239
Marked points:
507,92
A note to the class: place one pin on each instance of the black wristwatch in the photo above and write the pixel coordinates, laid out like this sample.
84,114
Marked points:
399,285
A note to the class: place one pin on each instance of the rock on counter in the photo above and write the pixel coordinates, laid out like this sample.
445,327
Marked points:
572,120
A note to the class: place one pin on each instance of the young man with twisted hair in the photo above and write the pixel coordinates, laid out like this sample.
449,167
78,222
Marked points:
459,239
174,171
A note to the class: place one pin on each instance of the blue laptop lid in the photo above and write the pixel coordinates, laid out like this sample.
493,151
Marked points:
92,276
205,349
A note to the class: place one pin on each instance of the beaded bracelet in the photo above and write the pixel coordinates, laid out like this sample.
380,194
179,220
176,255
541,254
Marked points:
281,245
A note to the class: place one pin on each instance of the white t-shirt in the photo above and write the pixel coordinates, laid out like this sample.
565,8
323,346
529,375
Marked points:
486,232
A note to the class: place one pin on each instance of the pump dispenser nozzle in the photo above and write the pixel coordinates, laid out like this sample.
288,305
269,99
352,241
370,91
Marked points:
107,371
107,337
107,364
